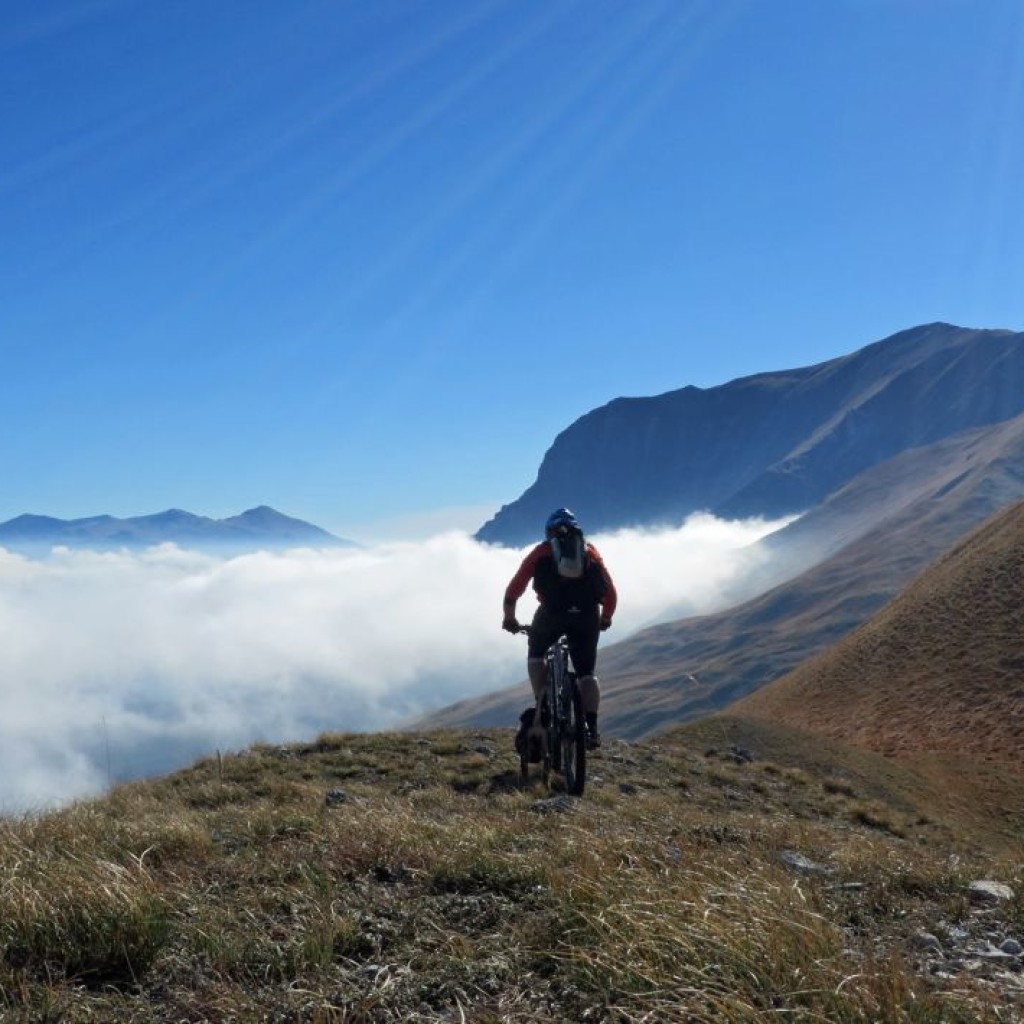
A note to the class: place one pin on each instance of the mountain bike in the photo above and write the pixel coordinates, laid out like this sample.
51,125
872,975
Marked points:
561,718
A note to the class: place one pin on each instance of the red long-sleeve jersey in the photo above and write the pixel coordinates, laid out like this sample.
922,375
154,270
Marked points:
596,582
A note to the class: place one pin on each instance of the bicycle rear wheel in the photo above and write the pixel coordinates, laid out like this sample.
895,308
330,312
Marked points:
573,741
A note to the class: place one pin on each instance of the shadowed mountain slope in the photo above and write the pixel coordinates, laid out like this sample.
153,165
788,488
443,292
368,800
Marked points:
941,668
927,500
771,444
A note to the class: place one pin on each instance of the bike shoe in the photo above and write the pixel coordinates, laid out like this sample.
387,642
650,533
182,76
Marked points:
593,740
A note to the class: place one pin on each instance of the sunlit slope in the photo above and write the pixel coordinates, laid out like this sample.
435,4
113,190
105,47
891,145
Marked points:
941,668
901,516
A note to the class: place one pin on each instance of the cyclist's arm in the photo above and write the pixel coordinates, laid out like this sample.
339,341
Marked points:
518,584
610,596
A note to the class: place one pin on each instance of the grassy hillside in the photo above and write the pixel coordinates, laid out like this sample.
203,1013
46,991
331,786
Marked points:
939,669
727,872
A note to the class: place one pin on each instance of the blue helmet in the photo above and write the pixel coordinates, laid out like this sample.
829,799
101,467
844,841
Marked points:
560,520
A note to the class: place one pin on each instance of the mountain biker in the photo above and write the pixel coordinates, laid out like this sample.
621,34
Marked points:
577,599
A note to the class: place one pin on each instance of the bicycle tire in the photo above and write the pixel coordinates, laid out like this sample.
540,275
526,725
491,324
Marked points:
573,742
556,673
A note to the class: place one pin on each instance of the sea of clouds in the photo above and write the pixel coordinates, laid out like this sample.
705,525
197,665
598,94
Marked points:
122,665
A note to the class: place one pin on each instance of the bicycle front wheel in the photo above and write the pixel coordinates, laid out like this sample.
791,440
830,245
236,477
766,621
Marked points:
574,742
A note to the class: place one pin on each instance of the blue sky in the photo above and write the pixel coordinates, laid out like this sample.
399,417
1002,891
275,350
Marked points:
363,261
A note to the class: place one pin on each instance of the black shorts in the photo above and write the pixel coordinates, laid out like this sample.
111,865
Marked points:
580,628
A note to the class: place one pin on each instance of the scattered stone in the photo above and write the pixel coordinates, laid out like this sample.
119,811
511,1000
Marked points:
741,755
629,762
990,892
994,955
719,833
554,805
378,974
925,941
484,749
628,789
1011,946
424,742
386,875
335,797
798,862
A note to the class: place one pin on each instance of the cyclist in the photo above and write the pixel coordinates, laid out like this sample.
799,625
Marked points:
577,599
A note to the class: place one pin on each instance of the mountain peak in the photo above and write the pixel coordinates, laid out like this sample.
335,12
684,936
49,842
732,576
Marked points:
260,512
771,444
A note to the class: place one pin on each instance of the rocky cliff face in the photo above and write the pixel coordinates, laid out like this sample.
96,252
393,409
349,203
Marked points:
771,444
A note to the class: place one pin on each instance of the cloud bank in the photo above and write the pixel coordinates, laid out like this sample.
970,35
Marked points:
116,666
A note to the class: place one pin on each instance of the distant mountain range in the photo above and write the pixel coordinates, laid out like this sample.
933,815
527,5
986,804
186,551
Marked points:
261,527
867,534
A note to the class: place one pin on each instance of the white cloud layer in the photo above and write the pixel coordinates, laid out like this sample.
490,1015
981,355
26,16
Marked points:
117,666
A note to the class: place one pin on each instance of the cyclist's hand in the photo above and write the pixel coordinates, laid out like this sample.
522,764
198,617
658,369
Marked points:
606,624
510,624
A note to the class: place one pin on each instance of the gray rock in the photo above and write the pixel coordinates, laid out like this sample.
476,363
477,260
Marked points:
336,797
554,805
996,956
990,892
484,749
1012,946
798,862
925,941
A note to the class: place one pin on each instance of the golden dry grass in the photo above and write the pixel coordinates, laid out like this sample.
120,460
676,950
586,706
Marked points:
432,888
939,669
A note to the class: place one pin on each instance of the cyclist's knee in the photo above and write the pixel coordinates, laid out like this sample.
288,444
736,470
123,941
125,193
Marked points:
590,693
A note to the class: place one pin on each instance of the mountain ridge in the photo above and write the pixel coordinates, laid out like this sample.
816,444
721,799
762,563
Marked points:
259,526
773,443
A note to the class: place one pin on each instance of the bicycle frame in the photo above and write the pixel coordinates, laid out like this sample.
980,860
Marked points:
562,720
